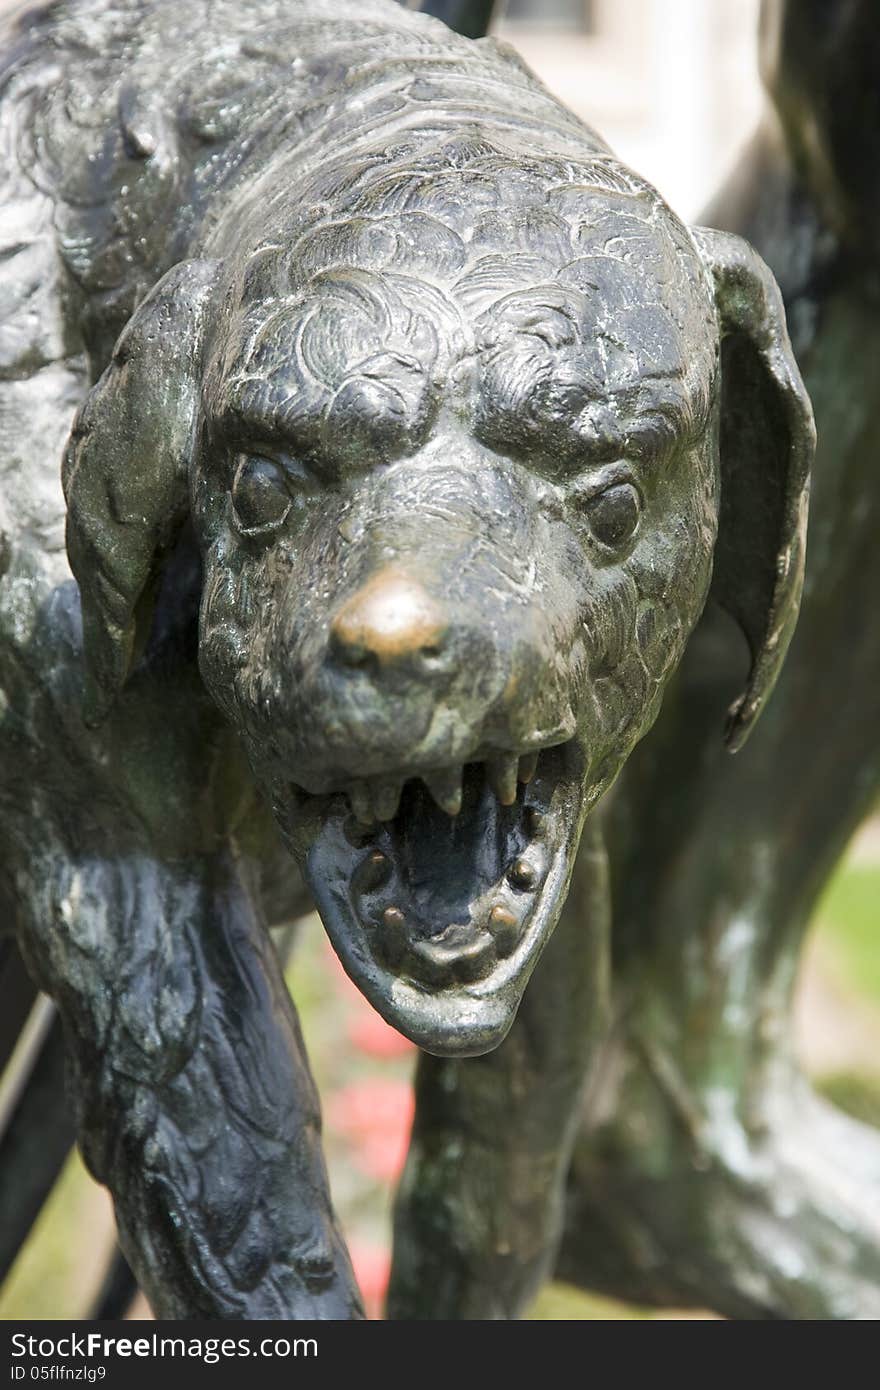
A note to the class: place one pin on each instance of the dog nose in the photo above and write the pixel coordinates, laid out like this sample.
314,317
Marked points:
390,621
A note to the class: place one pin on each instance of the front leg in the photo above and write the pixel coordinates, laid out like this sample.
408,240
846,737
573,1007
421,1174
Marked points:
194,1100
479,1210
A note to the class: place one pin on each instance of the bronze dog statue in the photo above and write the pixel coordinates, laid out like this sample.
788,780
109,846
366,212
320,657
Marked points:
411,432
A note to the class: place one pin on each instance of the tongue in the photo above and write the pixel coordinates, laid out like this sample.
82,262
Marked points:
448,862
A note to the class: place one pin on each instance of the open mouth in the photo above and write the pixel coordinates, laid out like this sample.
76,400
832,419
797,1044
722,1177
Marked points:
439,891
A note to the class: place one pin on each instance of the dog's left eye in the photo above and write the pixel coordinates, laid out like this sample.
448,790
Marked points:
260,495
614,514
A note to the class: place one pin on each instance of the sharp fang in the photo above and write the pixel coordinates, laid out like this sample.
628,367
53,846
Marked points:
445,787
522,874
527,765
386,799
502,771
504,928
361,803
391,940
501,917
372,873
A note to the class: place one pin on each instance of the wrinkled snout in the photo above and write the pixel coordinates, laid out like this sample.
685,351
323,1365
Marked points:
412,670
424,626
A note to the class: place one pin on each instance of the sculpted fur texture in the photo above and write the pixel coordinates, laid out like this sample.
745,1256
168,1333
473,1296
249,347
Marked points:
410,427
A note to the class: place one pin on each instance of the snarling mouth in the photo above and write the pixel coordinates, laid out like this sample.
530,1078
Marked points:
439,890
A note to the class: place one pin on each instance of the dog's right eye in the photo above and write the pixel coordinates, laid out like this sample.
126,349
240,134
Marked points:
260,495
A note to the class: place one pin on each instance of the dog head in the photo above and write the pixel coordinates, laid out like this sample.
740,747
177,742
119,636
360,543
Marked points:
461,443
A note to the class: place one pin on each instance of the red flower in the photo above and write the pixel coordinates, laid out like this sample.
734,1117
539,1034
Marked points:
375,1117
370,1033
372,1267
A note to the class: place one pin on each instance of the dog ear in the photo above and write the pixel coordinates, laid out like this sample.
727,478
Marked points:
125,473
767,441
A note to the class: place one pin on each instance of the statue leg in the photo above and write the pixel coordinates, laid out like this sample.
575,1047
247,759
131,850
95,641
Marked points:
192,1093
707,1172
479,1209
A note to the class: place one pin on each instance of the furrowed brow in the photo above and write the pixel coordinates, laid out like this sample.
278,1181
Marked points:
238,421
667,413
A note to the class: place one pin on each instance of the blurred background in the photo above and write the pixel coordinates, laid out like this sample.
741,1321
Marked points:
672,86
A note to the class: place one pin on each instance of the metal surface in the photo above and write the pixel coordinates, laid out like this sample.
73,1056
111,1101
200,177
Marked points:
405,427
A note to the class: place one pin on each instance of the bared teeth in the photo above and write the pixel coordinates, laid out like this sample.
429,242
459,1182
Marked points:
378,799
372,873
504,927
391,938
522,874
362,803
386,799
527,765
502,774
445,787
